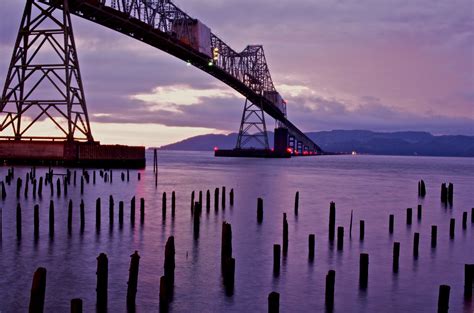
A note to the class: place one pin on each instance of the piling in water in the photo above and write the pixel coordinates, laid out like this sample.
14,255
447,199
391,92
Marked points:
121,205
223,197
18,221
36,221
97,214
391,222
4,192
452,223
69,217
329,293
132,211
196,219
226,243
274,302
362,230
216,199
363,270
111,211
76,305
443,298
40,187
38,288
173,203
208,200
169,265
163,206
200,198
102,281
276,259
51,218
332,220
132,280
472,215
340,238
82,185
396,256
434,235
165,294
416,243
421,189
419,212
231,196
468,280
259,210
229,275
192,202
142,210
409,216
297,202
450,193
285,234
464,220
311,244
83,215
444,193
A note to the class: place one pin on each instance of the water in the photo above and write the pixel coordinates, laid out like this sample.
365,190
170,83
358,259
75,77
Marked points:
372,186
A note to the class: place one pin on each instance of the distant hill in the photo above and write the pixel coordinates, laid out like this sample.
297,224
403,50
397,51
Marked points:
362,141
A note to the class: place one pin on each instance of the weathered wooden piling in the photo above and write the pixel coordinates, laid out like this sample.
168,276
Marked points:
139,176
396,256
83,215
65,183
4,192
132,280
75,177
421,189
38,289
452,224
173,203
200,198
391,222
34,188
76,305
102,281
419,212
40,187
27,183
329,292
361,230
444,193
196,219
216,199
163,206
165,294
416,244
121,205
18,187
122,176
93,177
350,225
36,221
464,220
1,224
468,280
276,259
340,238
82,185
259,210
18,221
363,270
311,244
332,220
472,215
226,242
285,234
223,197
51,218
231,197
58,187
132,211
192,202
69,217
434,235
97,214
169,265
450,193
208,200
142,210
297,202
274,302
443,298
229,274
409,216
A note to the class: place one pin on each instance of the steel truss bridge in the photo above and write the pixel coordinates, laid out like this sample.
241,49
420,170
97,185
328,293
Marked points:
158,23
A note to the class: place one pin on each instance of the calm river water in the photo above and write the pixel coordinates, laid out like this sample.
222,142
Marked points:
372,186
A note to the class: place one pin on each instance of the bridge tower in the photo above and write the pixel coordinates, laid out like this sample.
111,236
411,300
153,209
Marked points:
43,91
253,130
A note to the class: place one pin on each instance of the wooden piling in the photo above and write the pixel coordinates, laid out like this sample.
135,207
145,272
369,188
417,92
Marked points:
464,220
311,244
36,221
51,218
97,214
285,234
208,200
329,293
4,192
216,199
274,302
58,187
450,193
472,215
409,216
276,259
132,280
38,288
40,187
82,185
363,270
18,221
169,265
419,212
69,217
132,211
34,188
102,282
396,256
121,205
142,210
83,215
223,197
434,235
173,203
416,243
361,230
200,198
444,193
196,219
111,210
259,210
229,274
163,206
231,196
452,223
297,202
165,294
391,222
340,238
226,242
332,220
93,177
18,187
192,202
76,305
443,298
468,280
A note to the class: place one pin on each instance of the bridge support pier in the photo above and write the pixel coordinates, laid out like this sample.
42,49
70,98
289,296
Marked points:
281,140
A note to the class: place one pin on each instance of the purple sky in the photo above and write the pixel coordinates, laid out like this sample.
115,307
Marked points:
380,65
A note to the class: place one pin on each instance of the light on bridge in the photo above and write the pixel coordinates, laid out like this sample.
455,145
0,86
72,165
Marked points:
216,148
210,63
215,54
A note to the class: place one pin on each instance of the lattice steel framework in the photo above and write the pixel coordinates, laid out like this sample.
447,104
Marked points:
44,81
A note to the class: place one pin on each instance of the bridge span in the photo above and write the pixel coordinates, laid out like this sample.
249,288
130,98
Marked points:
163,25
